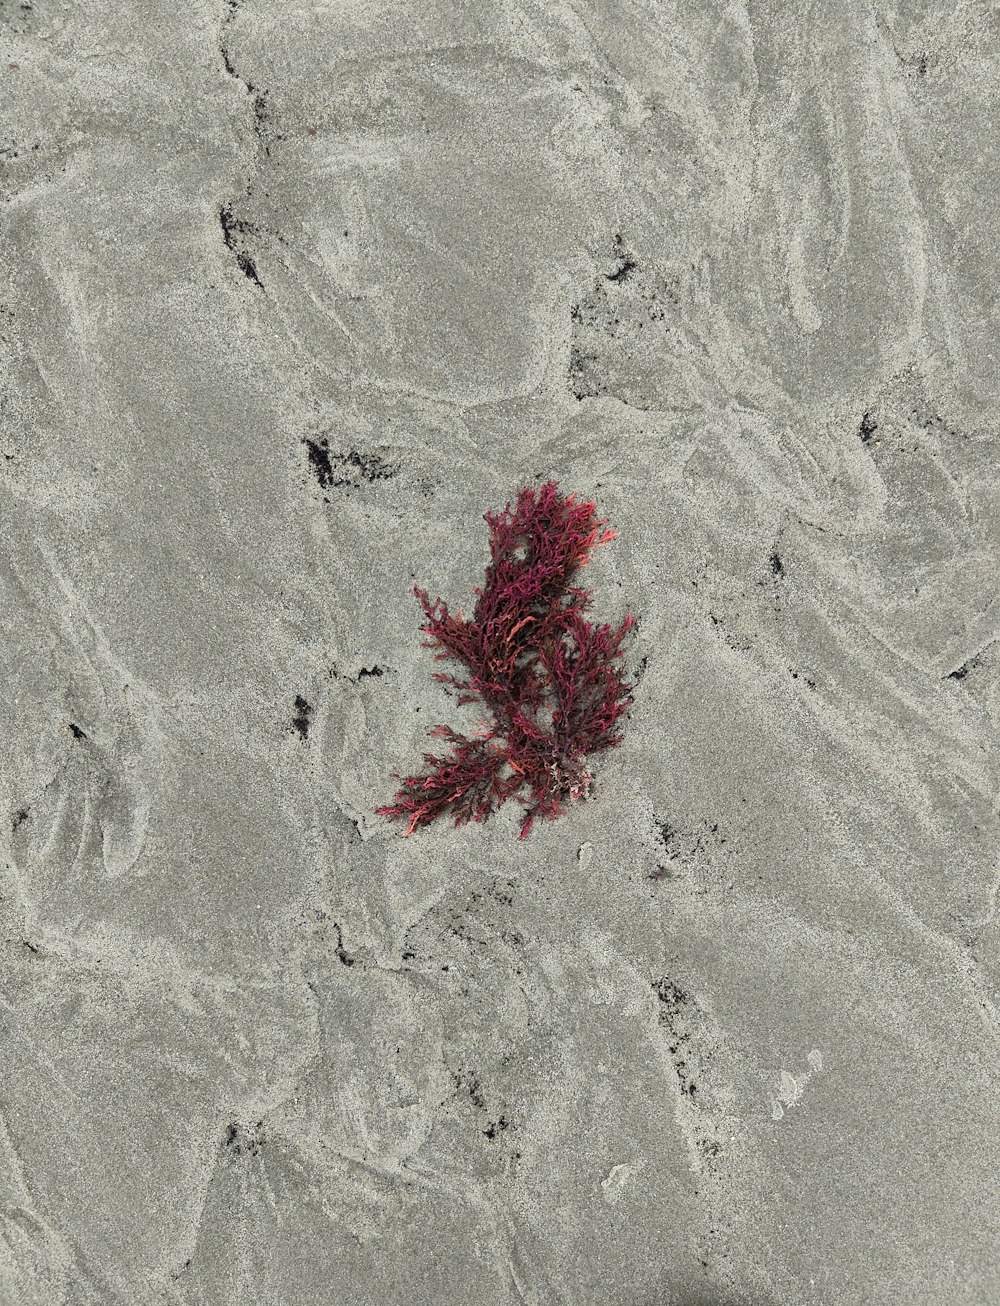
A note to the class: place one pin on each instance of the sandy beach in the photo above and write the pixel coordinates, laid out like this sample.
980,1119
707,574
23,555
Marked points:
290,296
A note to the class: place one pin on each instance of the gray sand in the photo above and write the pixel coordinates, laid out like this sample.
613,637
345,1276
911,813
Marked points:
731,270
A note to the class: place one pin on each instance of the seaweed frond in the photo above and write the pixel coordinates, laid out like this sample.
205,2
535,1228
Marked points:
551,682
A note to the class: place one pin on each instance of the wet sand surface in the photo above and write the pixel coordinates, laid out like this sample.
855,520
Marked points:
290,295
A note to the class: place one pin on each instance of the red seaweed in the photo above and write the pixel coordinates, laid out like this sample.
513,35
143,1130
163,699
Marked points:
552,682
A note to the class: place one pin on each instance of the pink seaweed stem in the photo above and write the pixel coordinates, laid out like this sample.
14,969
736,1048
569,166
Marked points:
552,682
